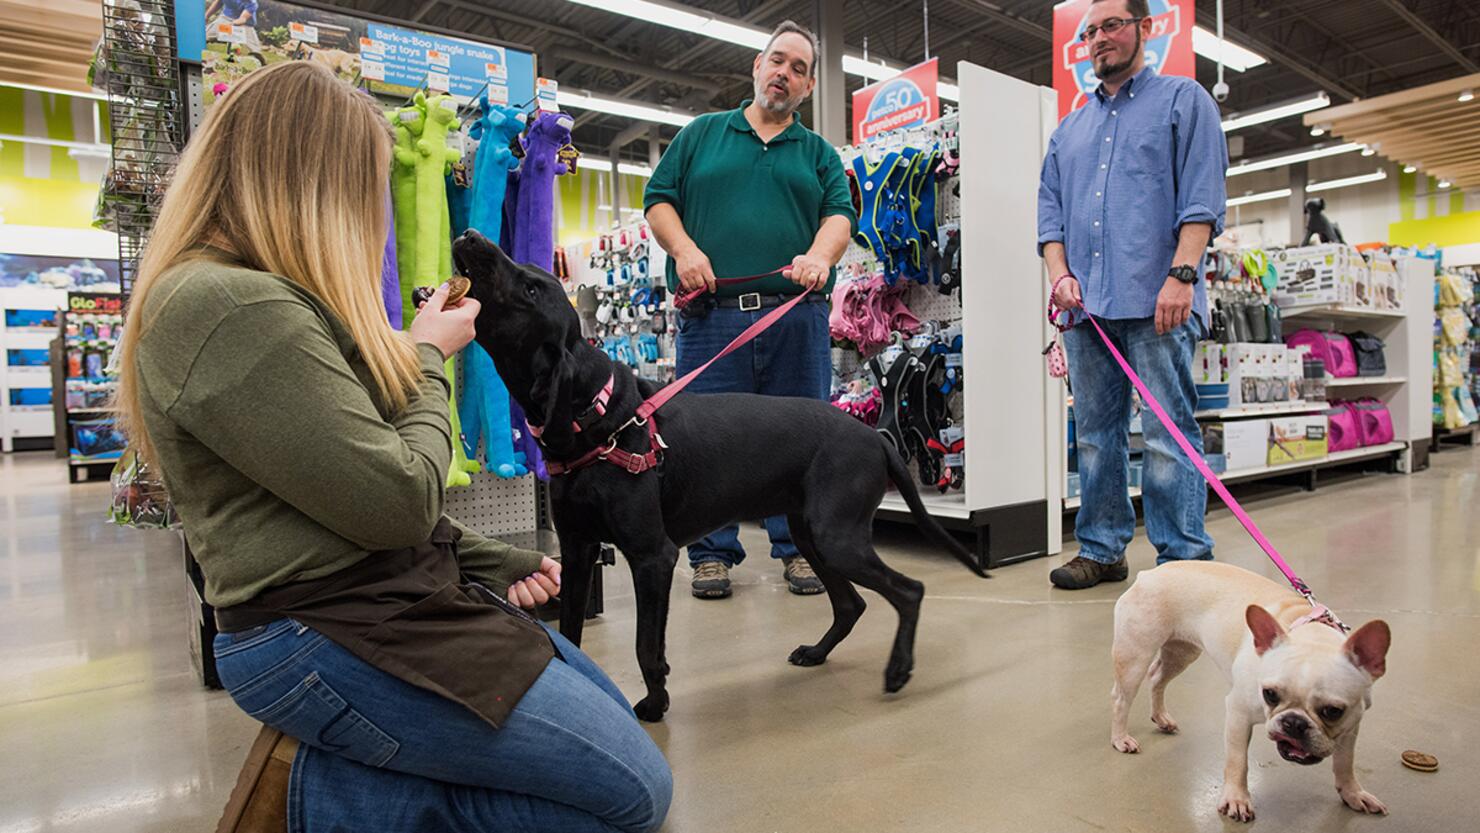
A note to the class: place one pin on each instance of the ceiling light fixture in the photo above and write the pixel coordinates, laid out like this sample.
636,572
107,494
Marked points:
1235,57
1344,182
1276,112
596,163
1262,197
1292,158
1408,169
582,100
1467,95
743,34
1444,183
37,88
1368,151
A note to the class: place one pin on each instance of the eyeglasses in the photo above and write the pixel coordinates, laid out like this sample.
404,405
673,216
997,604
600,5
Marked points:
1109,27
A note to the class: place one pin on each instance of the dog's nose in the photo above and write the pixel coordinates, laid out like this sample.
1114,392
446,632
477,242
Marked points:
1294,725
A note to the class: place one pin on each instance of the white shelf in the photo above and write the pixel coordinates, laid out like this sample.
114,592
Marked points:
1351,455
28,340
1338,311
29,381
1271,409
949,505
1356,381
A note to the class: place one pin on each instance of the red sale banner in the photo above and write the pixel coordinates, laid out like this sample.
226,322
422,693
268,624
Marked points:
1168,50
906,100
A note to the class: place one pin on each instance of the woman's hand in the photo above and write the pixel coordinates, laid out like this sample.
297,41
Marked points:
539,587
447,328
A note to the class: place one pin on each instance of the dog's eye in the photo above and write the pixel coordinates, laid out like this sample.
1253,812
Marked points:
1331,714
1271,697
532,291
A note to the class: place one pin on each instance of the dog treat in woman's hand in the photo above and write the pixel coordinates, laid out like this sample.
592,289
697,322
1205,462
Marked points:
1420,761
457,289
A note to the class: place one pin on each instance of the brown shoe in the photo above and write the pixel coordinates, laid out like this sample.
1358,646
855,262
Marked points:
711,580
799,576
1081,572
259,801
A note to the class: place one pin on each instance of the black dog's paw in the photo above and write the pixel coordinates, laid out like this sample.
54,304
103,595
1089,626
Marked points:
807,655
651,707
896,675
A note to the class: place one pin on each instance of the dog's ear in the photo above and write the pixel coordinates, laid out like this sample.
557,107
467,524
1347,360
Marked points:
1368,647
552,365
1267,632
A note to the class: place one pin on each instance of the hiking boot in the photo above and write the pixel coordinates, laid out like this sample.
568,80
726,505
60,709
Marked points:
259,801
799,576
1081,572
711,580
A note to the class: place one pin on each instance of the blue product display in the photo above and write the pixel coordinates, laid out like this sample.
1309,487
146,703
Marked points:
97,438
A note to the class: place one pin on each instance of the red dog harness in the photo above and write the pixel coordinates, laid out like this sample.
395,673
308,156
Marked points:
635,463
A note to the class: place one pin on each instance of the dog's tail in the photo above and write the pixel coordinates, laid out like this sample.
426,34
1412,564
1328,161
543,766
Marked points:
899,472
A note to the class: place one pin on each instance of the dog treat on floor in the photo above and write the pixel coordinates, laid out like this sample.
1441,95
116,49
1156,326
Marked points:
1422,762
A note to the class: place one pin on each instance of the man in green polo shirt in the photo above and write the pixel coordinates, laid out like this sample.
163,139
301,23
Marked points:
739,193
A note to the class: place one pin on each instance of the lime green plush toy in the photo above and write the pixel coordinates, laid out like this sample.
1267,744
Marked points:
407,123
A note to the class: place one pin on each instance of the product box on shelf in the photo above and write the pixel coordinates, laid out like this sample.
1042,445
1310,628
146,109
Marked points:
1387,285
1259,374
1295,438
1323,274
1245,444
1208,364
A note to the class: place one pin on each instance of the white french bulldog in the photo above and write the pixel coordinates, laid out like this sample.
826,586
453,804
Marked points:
1306,682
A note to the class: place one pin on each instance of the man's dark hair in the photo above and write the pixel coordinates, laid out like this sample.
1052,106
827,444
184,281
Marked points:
791,27
1136,8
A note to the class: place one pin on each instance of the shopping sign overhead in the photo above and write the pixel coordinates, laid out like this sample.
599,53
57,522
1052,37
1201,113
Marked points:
906,100
1168,50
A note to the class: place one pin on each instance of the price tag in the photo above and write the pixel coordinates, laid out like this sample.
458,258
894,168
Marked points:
498,94
950,435
439,60
920,341
230,34
954,460
371,70
373,48
303,32
496,72
548,89
438,82
953,360
891,353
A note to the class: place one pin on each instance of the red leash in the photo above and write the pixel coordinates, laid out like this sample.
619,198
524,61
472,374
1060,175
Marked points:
1320,612
639,463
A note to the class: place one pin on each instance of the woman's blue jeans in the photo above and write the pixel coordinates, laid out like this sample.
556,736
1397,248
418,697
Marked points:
381,754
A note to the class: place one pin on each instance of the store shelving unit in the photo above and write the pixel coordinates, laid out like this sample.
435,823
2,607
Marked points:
28,324
1273,409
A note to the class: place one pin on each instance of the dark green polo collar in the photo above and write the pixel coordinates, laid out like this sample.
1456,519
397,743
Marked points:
792,133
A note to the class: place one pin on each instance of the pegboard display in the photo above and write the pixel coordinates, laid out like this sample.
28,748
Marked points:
496,507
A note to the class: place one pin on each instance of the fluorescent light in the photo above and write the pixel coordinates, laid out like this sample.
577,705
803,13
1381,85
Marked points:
1443,183
54,91
85,148
1263,197
596,163
1467,95
741,34
1278,111
1235,57
1292,158
643,112
1333,184
1408,169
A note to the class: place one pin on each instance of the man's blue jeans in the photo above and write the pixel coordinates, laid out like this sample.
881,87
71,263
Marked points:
792,358
381,754
1174,496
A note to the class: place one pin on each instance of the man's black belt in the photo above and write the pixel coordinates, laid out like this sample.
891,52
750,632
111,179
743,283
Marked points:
752,301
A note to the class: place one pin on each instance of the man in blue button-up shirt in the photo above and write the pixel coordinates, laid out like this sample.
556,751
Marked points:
1132,190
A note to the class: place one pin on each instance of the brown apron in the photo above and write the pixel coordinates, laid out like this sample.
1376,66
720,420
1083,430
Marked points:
409,613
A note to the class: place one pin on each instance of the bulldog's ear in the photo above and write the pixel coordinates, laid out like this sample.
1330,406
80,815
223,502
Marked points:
1267,631
1368,646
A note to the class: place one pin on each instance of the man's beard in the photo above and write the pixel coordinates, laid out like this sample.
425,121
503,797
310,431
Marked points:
784,107
1115,69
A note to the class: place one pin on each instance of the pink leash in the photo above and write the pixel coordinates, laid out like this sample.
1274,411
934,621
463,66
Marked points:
1319,612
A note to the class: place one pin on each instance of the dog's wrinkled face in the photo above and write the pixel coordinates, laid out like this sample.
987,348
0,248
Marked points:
1315,686
524,309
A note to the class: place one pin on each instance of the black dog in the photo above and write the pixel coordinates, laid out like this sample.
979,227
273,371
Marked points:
724,458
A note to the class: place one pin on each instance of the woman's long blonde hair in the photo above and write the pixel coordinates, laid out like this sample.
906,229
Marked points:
289,175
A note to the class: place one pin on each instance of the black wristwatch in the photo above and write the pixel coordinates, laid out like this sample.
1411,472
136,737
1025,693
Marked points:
1185,274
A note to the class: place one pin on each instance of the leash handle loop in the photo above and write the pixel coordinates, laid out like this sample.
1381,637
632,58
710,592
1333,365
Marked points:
683,300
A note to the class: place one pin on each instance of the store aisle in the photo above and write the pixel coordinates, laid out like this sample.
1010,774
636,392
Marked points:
103,726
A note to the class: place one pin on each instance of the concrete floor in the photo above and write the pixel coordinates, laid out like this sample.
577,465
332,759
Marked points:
104,727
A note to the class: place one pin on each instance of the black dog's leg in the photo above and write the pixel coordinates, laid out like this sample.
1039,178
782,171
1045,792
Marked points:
847,605
851,553
652,577
577,564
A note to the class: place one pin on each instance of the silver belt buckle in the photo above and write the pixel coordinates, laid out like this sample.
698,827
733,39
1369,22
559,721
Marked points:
750,302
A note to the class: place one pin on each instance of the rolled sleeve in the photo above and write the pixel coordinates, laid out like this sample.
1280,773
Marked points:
1050,205
1201,160
836,200
663,185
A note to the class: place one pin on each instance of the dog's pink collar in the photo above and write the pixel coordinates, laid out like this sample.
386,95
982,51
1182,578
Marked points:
1320,613
596,410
